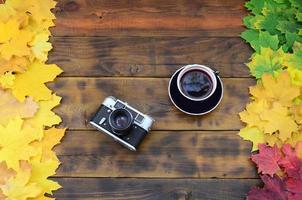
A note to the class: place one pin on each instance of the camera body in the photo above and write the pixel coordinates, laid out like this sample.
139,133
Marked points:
122,122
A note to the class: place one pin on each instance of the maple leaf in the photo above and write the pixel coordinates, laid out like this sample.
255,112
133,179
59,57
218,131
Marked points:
294,186
278,119
296,76
267,61
41,46
51,138
15,143
255,6
251,115
260,40
44,116
40,173
15,64
6,11
267,159
7,80
276,89
294,60
273,139
298,149
10,107
31,83
290,163
14,41
296,111
19,188
38,11
254,135
5,175
274,189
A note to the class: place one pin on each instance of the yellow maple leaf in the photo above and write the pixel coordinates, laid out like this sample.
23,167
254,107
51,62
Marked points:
51,138
254,135
5,175
7,80
19,188
40,173
278,119
15,143
279,89
15,64
296,75
296,137
10,107
273,139
38,11
31,83
41,46
251,115
14,41
296,111
44,116
6,12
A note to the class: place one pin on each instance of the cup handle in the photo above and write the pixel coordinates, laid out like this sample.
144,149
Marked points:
216,72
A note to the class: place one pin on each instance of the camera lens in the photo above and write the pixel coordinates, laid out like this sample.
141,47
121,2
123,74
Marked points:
120,121
196,84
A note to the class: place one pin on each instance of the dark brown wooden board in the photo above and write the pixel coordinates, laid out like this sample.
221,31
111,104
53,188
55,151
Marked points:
149,17
129,49
153,189
148,56
172,154
83,96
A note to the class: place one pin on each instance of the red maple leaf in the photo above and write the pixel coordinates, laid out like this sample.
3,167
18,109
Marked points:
294,185
290,163
274,189
267,159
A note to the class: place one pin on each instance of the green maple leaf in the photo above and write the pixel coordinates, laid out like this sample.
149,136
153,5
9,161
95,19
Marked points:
288,26
247,21
260,39
255,6
269,23
299,16
296,3
291,39
294,60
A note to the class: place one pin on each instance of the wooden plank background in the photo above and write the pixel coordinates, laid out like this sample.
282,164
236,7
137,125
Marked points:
129,49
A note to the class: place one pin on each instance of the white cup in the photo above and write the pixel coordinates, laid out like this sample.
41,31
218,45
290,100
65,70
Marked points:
211,74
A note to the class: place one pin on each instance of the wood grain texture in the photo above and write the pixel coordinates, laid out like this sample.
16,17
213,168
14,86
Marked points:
82,97
147,56
153,189
174,154
149,17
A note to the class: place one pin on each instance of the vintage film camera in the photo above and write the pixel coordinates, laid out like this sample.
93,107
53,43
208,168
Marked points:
122,122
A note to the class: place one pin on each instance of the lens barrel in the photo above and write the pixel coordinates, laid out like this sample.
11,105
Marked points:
120,121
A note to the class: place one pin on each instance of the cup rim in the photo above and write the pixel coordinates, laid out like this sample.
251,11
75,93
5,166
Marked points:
208,70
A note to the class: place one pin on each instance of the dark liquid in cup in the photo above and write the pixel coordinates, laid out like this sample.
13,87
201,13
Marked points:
196,84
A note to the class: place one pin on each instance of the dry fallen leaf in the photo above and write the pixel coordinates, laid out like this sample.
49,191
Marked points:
10,107
19,188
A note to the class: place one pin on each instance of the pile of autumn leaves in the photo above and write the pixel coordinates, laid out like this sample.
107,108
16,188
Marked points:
274,117
26,136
